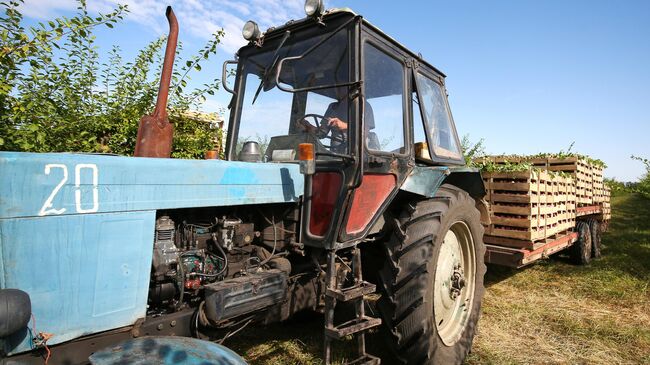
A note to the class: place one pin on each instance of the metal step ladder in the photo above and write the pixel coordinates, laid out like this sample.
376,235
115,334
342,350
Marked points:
354,293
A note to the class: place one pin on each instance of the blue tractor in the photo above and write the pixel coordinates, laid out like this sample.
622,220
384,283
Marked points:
343,176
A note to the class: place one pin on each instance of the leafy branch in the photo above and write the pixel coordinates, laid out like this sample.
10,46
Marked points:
55,94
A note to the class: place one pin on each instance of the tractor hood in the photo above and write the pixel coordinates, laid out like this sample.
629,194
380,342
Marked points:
77,230
45,184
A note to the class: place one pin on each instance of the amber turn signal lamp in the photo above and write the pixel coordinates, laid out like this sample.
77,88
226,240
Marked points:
306,152
306,157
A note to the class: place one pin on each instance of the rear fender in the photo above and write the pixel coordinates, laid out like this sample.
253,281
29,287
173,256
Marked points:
425,181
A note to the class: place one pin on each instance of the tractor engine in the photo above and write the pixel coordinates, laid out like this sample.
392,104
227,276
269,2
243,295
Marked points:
228,265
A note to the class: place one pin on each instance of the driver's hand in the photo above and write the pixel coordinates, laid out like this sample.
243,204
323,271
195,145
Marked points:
338,124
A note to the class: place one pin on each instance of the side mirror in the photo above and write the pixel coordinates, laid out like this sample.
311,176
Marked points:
224,76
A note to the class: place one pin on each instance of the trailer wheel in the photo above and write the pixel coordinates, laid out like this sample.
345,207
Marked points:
432,279
581,249
594,227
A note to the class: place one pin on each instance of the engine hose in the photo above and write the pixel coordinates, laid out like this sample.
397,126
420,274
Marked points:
225,260
269,222
182,284
275,243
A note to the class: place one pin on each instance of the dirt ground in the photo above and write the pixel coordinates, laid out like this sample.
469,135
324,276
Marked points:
552,312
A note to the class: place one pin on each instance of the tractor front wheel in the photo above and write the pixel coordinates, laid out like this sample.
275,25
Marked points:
432,279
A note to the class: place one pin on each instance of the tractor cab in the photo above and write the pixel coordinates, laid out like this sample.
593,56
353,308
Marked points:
371,109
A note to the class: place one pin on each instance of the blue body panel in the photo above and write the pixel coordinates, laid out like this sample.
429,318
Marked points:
137,183
76,231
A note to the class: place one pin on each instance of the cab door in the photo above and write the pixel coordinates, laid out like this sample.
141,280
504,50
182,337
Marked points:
384,134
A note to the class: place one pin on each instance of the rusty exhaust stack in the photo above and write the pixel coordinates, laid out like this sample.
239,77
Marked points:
155,132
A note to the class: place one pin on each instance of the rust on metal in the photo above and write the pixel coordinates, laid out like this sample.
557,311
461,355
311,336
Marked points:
519,257
588,210
211,155
155,132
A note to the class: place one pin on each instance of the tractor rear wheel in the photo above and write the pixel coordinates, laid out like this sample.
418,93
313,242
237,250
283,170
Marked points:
581,249
432,279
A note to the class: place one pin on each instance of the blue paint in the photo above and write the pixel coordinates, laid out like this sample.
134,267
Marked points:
130,183
89,272
166,351
84,273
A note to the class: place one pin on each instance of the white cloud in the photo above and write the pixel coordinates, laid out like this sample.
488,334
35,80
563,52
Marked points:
199,18
44,9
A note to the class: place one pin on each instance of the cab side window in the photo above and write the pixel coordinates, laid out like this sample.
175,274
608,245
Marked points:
384,91
438,118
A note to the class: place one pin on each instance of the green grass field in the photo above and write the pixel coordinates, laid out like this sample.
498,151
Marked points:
552,312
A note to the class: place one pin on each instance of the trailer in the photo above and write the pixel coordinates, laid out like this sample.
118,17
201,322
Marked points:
537,212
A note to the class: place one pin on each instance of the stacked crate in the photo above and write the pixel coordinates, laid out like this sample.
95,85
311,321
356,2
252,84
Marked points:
581,170
529,205
564,203
598,184
571,201
607,209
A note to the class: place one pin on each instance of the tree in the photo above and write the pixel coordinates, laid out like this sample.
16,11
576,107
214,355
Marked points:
56,96
472,150
643,185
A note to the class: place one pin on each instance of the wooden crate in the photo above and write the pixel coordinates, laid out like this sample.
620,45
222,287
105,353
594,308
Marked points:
530,205
582,171
598,184
607,209
588,177
502,160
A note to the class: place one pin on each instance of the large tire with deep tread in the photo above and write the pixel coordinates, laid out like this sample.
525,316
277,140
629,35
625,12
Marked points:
595,229
408,275
581,249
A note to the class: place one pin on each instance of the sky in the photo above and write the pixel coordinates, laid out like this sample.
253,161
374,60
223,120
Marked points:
526,76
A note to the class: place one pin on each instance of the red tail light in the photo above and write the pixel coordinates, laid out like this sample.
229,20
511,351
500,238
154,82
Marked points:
325,190
367,199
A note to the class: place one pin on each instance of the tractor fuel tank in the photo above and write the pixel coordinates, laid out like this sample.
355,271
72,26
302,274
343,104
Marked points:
245,294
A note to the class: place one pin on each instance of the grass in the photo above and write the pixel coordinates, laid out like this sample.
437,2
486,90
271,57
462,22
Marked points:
558,313
552,312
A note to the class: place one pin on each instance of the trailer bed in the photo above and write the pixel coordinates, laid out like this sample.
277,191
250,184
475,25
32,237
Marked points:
519,257
518,253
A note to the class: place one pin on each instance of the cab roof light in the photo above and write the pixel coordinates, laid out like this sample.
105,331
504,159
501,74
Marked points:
314,8
251,32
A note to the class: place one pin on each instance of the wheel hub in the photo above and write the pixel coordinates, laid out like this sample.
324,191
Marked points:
457,282
454,283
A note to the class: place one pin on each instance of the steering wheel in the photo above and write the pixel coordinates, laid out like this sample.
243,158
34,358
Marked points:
318,119
301,121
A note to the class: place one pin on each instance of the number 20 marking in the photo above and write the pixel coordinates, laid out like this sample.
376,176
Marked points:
47,206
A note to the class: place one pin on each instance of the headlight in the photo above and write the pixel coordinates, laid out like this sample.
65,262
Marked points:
313,7
251,31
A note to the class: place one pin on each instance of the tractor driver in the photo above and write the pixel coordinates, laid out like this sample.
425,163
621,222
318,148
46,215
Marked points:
335,122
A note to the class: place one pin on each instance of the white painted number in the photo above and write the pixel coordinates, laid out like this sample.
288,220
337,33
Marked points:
77,183
47,206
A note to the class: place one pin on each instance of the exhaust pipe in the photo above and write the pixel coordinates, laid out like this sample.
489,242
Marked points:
155,133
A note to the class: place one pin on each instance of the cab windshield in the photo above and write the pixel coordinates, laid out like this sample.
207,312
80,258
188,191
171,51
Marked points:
279,120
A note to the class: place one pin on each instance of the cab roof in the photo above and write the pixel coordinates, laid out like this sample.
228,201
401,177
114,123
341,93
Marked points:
336,12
